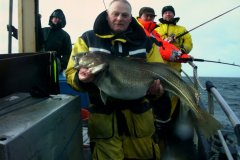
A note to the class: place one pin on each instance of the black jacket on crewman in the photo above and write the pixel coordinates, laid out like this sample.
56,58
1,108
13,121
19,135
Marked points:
52,38
56,39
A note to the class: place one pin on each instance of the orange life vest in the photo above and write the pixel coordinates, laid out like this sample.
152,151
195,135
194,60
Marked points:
166,48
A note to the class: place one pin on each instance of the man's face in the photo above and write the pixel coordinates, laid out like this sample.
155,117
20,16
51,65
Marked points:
147,17
119,17
55,20
168,15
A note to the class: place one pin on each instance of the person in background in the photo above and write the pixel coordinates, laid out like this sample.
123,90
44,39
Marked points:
56,39
169,52
119,129
146,19
53,38
162,106
169,30
169,130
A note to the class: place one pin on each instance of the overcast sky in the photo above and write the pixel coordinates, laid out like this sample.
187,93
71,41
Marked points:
216,40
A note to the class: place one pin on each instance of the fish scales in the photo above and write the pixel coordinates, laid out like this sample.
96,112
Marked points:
126,79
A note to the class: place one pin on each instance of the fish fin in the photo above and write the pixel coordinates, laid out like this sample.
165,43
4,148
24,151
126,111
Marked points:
98,68
207,124
76,59
196,93
104,96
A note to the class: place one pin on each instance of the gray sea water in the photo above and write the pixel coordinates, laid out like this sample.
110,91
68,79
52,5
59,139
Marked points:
229,88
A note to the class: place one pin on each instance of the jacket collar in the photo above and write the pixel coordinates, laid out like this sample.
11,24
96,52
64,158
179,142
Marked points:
148,25
133,34
173,21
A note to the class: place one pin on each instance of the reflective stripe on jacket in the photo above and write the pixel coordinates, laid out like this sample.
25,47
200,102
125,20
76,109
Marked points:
132,43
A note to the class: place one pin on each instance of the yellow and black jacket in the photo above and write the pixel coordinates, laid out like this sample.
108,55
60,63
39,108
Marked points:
132,118
166,29
132,43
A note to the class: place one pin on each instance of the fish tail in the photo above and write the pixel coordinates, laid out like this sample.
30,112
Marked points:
207,124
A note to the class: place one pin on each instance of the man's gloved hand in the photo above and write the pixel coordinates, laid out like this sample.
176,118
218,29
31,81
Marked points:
171,38
183,58
178,56
175,56
14,31
183,50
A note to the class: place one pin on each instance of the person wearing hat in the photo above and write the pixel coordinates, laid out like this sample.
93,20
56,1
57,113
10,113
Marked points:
56,39
169,52
146,19
168,29
162,105
52,38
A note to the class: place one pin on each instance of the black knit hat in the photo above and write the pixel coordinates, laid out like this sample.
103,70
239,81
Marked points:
146,10
168,8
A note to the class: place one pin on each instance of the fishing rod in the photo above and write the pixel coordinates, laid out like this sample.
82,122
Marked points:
204,60
205,22
104,5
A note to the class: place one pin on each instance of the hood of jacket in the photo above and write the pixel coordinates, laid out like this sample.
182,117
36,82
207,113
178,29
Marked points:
59,14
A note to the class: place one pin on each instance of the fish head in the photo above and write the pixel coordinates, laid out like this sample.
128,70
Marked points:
94,62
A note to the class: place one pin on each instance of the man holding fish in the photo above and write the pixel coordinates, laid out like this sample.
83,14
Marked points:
118,129
120,85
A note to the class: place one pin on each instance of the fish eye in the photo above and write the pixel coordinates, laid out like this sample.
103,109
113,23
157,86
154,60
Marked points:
84,53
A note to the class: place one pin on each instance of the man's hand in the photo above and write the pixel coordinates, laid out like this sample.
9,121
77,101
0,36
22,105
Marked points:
175,55
171,38
85,75
185,58
156,88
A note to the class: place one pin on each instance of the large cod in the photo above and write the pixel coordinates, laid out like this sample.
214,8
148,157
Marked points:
127,79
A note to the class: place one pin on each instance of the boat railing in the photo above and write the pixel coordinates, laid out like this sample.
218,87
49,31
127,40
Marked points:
214,94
